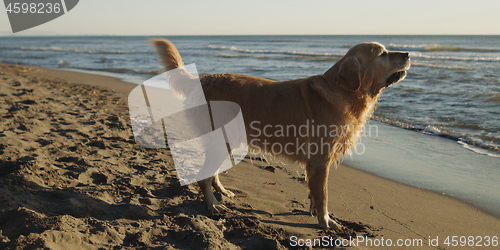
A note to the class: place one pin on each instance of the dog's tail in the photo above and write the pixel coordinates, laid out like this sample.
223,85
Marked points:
180,80
169,55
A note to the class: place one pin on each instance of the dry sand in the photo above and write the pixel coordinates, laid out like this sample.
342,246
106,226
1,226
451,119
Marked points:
72,177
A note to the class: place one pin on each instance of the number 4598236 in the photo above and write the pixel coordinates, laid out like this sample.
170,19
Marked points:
471,241
38,8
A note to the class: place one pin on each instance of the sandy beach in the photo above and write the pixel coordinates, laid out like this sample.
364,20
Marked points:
72,177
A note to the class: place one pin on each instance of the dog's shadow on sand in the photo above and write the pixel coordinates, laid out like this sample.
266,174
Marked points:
276,222
350,228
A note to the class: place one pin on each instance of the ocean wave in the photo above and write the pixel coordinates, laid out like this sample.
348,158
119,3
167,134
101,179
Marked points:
62,63
54,48
478,150
438,48
457,58
294,58
125,70
32,56
435,66
103,60
135,71
232,56
479,144
279,52
312,58
415,48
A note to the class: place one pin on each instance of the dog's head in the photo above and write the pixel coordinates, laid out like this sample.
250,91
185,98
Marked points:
369,67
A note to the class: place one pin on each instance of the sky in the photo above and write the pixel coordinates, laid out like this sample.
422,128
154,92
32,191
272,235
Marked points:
269,17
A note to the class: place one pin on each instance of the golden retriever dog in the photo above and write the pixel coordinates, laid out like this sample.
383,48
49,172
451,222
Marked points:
310,121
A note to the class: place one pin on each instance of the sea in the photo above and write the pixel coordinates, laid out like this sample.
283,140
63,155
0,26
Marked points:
439,129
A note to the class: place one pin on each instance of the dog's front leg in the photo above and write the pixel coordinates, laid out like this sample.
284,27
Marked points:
317,182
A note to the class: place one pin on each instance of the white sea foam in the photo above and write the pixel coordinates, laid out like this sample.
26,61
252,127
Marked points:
457,58
436,66
55,48
270,51
438,48
478,149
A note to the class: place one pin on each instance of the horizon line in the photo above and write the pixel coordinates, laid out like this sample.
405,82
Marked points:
193,35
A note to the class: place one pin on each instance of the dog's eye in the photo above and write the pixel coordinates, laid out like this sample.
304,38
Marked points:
383,53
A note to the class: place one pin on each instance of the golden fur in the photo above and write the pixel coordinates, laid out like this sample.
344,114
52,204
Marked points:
342,98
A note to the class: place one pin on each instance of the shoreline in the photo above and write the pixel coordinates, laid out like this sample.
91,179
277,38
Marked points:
430,163
48,154
88,78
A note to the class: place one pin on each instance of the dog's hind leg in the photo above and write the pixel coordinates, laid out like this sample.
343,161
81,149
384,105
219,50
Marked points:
213,160
312,208
213,204
219,188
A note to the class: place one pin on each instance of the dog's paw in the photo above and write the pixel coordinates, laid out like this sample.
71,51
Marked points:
228,193
312,208
329,223
218,208
313,212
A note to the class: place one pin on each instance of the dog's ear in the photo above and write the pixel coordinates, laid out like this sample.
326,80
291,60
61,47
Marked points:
350,73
